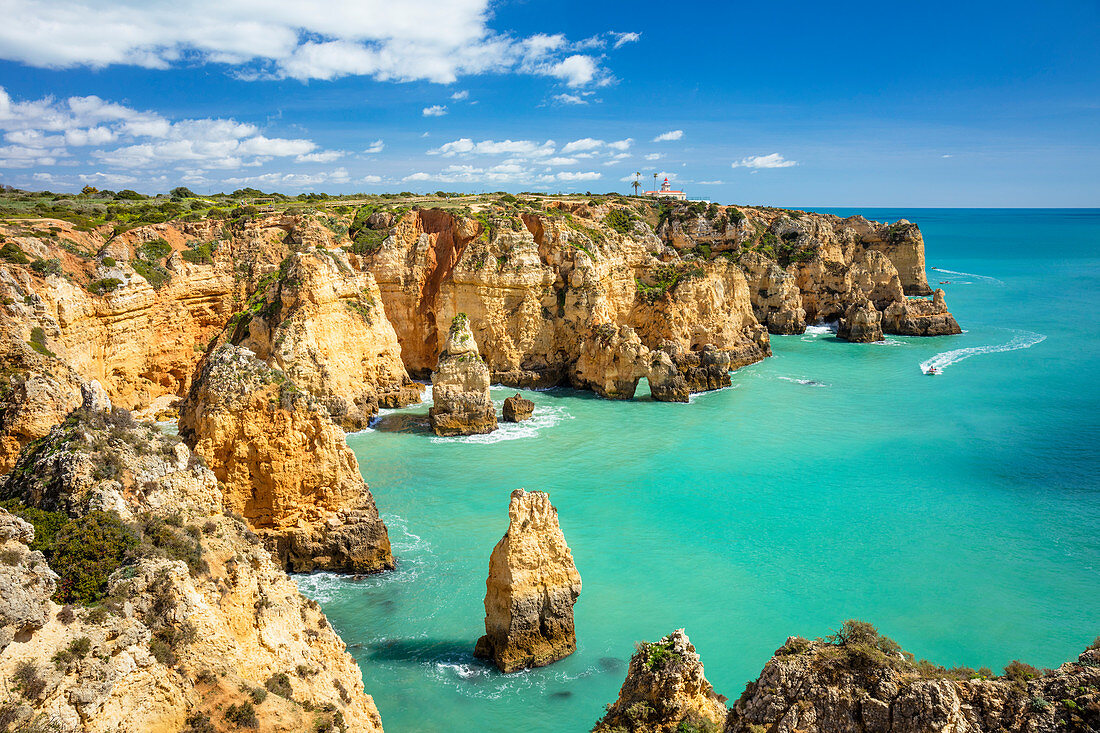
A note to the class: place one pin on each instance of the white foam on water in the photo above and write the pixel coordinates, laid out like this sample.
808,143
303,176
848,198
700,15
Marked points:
822,329
983,278
464,671
321,587
1022,340
889,342
545,416
697,395
807,382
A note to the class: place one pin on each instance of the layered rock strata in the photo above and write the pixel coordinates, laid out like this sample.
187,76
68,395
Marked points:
861,323
531,589
284,465
517,409
195,627
460,386
320,321
920,317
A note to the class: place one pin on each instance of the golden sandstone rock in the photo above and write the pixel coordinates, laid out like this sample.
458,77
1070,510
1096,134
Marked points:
531,589
665,691
460,386
284,465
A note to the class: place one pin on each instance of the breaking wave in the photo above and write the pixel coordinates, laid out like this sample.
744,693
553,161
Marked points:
1022,340
545,416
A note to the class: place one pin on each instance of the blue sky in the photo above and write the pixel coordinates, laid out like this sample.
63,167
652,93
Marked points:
784,103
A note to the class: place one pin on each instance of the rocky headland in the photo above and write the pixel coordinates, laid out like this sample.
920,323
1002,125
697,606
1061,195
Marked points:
531,589
856,680
151,571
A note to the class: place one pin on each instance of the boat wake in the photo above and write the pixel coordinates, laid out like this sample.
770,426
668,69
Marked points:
1022,340
982,278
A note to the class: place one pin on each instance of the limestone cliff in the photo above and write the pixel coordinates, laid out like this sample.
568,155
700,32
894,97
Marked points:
148,610
517,408
665,692
860,323
284,465
531,589
320,321
460,386
856,681
918,317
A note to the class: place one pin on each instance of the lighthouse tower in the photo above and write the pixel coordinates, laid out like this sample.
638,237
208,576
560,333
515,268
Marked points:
666,192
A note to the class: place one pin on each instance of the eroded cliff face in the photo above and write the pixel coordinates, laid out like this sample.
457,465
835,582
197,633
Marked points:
196,626
284,465
665,691
461,404
531,589
857,681
319,319
804,267
537,285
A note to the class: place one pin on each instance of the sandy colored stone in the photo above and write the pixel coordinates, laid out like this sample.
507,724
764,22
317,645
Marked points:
861,323
531,589
284,465
518,409
920,317
460,386
665,691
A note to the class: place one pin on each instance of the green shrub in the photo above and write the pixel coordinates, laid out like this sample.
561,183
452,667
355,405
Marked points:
104,286
279,684
38,341
1018,671
85,552
12,252
45,268
182,192
28,680
200,254
154,250
199,723
619,220
242,715
127,194
162,651
46,524
161,538
258,694
153,273
77,649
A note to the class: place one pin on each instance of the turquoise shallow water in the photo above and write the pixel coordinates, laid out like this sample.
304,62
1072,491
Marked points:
960,513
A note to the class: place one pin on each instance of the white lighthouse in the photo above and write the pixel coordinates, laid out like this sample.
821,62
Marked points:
666,192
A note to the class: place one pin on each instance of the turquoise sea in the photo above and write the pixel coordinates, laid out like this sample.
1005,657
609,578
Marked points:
959,513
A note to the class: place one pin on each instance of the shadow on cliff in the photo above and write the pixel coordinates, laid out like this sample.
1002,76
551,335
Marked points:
400,422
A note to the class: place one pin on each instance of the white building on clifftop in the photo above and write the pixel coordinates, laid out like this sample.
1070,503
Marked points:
666,192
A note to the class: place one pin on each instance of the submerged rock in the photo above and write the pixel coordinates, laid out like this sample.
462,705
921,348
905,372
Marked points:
285,466
665,691
518,409
460,386
531,589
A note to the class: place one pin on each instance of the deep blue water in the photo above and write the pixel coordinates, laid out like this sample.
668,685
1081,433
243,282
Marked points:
960,513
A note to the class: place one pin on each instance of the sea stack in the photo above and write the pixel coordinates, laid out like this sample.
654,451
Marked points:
665,690
460,386
861,323
518,409
531,589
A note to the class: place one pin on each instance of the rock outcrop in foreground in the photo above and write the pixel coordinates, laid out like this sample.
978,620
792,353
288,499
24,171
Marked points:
531,589
518,409
284,465
460,386
665,692
858,681
134,605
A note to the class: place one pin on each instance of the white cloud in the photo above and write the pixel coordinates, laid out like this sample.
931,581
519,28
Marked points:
372,179
654,156
376,147
291,180
585,143
621,144
324,156
946,155
436,110
466,146
575,71
622,39
578,176
42,131
561,161
773,160
569,99
111,179
710,183
669,136
459,96
306,39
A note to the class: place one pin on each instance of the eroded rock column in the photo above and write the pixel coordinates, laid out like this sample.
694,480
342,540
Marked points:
531,589
460,386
